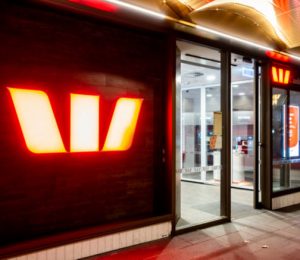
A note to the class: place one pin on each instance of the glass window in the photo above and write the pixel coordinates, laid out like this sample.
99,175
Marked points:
285,132
243,115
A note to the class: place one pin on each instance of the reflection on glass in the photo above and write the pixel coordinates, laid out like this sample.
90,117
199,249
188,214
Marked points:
242,114
285,133
200,118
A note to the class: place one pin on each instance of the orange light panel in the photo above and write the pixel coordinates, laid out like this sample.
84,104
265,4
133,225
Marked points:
98,4
123,124
274,74
280,75
287,77
277,56
84,123
37,121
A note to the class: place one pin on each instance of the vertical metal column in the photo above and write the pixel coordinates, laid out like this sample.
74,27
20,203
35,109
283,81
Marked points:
266,137
285,168
177,128
226,135
203,132
257,141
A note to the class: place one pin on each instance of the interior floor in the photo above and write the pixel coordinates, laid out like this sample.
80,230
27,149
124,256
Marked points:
200,203
246,183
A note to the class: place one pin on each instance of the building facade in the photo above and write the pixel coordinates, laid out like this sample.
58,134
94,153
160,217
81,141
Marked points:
109,117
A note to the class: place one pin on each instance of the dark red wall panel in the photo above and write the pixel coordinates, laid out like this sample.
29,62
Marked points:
45,194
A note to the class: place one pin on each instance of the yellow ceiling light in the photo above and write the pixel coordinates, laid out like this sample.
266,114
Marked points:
264,7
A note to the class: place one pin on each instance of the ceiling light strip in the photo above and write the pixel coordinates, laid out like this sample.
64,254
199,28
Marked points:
292,56
137,8
246,42
198,27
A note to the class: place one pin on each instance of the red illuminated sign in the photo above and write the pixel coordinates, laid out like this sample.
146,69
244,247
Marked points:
41,132
280,75
278,56
97,4
84,134
293,138
123,124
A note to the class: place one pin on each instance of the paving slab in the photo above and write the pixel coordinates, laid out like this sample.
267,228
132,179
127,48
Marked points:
263,235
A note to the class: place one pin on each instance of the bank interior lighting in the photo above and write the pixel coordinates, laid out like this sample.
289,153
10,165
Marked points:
211,77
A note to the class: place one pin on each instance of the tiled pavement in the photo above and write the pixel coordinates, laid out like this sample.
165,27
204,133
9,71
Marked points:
263,235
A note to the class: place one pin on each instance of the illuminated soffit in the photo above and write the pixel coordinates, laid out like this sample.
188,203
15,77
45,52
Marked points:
264,24
282,16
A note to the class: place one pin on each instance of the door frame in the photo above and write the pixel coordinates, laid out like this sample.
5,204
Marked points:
226,139
257,203
262,182
257,151
225,184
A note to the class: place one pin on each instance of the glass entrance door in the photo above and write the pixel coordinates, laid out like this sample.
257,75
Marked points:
245,135
198,135
243,121
202,170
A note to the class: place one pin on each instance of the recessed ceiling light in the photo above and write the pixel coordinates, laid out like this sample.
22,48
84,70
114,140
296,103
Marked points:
242,94
243,117
211,77
209,95
235,85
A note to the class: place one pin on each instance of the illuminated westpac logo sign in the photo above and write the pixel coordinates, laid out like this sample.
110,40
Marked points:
280,75
41,132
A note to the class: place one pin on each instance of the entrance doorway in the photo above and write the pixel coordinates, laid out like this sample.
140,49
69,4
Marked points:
201,178
198,135
243,134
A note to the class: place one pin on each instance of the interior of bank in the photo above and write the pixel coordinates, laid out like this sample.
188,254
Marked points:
199,133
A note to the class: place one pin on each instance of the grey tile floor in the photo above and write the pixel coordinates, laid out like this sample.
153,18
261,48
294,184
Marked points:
200,203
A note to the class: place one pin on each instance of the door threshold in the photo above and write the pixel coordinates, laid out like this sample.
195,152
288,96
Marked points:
190,228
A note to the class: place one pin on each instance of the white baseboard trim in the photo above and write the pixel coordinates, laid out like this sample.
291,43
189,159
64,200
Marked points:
101,244
286,200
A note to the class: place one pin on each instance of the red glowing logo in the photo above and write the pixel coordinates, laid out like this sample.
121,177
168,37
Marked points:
278,56
40,129
280,75
97,4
